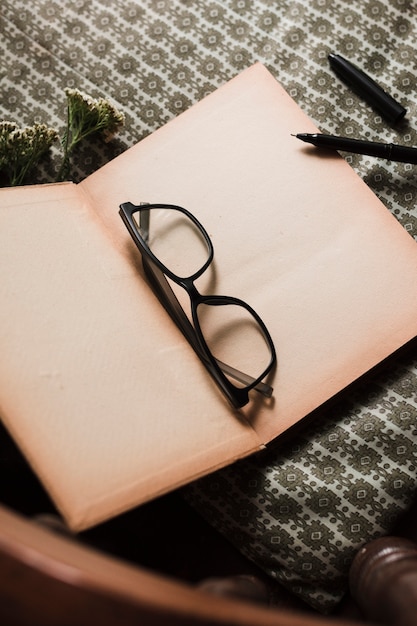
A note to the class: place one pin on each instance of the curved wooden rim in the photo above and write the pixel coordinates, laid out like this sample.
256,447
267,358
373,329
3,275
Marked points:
35,560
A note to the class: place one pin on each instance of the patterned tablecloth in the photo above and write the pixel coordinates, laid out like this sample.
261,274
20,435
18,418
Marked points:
302,509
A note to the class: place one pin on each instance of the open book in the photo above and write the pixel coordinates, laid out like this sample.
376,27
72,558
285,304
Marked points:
99,388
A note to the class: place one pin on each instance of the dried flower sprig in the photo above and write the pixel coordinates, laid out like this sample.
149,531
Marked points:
86,116
22,148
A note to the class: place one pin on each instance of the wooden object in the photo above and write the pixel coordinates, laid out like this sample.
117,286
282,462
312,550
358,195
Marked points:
50,580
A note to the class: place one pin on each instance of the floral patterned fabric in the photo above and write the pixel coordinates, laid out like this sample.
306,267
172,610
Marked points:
302,508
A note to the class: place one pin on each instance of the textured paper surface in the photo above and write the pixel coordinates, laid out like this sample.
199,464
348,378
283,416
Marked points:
296,233
99,388
95,388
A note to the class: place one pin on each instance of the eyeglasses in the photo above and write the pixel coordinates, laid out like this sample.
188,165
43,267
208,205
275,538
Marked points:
228,336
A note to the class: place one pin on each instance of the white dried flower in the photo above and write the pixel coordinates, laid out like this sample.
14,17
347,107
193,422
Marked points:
87,116
22,148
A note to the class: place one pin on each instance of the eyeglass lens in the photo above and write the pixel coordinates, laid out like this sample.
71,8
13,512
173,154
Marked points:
176,241
234,337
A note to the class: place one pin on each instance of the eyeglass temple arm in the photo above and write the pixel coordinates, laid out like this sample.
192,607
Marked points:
263,388
165,293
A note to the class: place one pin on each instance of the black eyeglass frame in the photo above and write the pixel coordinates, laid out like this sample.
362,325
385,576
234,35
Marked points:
156,273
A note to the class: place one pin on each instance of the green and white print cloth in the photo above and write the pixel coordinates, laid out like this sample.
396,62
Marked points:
301,509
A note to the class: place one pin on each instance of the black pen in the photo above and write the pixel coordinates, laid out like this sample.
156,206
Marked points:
391,151
367,88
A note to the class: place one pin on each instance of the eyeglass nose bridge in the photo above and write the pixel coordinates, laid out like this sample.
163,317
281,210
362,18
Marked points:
188,284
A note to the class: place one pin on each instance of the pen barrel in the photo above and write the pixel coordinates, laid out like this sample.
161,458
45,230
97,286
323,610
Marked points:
403,154
390,151
358,146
